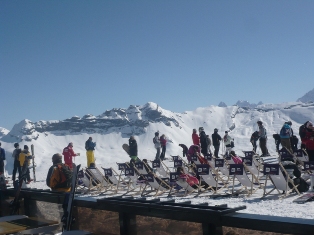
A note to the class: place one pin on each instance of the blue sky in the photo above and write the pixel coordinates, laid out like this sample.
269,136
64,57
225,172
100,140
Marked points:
64,58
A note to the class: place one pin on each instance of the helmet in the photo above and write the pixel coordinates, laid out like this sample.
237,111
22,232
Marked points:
16,145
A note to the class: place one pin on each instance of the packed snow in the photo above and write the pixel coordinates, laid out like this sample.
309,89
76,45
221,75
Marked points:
241,123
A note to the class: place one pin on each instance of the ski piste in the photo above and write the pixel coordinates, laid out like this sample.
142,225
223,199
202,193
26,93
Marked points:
33,161
67,217
15,203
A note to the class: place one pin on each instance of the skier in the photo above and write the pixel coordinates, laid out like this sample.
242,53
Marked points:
68,154
15,156
195,137
25,155
203,140
163,142
285,135
53,180
157,144
262,139
90,147
133,149
216,141
228,144
2,158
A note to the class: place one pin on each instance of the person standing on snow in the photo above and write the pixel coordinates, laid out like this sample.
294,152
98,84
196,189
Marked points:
203,140
68,154
227,142
195,137
285,135
90,147
15,156
2,158
184,149
25,157
216,138
262,139
308,140
163,142
133,149
157,145
209,143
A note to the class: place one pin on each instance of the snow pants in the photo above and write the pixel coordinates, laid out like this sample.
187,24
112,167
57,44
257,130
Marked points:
90,157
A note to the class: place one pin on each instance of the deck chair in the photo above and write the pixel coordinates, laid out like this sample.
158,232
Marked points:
183,185
274,172
86,183
186,164
160,168
301,155
250,166
222,167
102,183
203,170
116,180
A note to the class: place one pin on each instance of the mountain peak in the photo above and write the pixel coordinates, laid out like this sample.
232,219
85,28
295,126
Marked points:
308,97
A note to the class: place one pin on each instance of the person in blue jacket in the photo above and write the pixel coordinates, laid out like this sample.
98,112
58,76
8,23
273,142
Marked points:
285,135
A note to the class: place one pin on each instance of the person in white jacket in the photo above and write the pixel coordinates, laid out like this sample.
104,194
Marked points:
227,141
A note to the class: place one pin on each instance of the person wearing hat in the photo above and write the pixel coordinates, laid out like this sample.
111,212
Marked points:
157,144
2,158
15,156
90,147
227,141
24,159
285,136
133,149
262,139
195,137
54,182
216,138
68,154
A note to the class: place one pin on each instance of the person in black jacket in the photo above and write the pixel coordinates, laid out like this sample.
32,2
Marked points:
203,141
133,149
216,138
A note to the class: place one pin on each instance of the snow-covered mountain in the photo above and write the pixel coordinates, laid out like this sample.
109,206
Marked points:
3,132
113,128
308,97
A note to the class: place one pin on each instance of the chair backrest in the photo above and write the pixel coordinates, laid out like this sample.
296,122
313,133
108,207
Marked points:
300,154
159,168
152,181
96,174
111,176
83,179
276,176
203,170
220,163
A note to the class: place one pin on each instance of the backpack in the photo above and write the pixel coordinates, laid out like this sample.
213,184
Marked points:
17,154
232,144
61,177
154,140
301,184
276,137
302,130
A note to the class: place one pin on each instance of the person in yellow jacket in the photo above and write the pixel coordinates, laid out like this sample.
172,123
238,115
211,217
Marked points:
25,155
90,147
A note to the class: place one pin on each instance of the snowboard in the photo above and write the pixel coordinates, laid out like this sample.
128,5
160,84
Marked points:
67,217
33,161
126,148
304,198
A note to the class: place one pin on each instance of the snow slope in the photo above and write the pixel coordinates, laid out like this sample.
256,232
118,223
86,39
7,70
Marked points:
240,121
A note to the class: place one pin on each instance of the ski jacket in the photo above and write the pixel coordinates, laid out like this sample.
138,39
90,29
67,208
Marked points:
163,141
184,148
285,132
89,145
191,151
227,139
309,139
196,139
16,154
236,159
203,139
157,142
24,157
68,154
132,147
216,138
254,137
262,132
2,154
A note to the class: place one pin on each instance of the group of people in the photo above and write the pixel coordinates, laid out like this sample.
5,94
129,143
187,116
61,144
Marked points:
160,144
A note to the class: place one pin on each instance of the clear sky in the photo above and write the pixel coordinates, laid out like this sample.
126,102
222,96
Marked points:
64,58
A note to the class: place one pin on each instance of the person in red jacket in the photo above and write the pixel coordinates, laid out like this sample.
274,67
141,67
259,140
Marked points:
195,137
68,154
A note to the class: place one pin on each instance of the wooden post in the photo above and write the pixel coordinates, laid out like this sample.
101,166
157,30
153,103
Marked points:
127,224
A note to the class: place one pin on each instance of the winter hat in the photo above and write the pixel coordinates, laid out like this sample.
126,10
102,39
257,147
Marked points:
16,145
226,132
90,138
25,147
57,157
70,144
289,123
194,130
259,122
157,133
201,129
215,130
